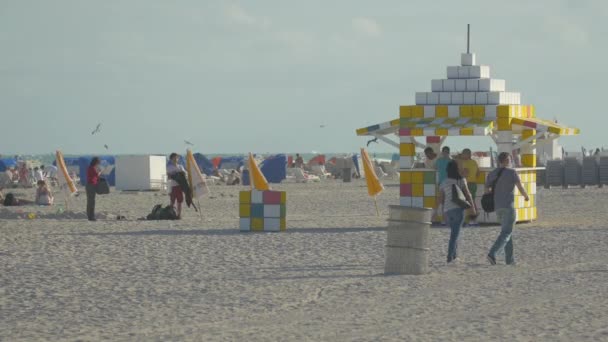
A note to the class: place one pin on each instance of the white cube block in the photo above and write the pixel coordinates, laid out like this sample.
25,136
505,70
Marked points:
272,210
257,196
445,98
457,98
473,85
453,111
467,59
272,224
481,98
477,130
428,132
245,224
429,111
437,85
406,162
452,72
430,190
453,132
479,71
517,98
494,97
432,98
405,201
417,202
460,85
469,98
491,111
463,71
449,85
421,98
488,84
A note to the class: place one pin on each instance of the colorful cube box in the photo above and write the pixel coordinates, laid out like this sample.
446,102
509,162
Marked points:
262,211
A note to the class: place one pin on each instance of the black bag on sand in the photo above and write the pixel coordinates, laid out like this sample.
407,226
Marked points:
102,187
160,213
459,198
487,200
155,213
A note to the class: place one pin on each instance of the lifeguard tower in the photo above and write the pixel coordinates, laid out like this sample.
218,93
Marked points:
467,103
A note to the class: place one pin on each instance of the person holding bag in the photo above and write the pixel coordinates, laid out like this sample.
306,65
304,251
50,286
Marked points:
500,196
454,197
91,187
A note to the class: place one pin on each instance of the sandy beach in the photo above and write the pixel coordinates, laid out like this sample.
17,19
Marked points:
64,278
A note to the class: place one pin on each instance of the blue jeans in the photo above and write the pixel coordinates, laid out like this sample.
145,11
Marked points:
455,219
506,217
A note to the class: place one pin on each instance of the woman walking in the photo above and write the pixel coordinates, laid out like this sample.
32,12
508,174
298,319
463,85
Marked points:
92,180
452,211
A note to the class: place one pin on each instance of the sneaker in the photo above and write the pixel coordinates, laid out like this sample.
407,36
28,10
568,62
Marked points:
491,260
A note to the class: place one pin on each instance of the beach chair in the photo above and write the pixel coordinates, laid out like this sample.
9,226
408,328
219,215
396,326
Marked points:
303,177
319,170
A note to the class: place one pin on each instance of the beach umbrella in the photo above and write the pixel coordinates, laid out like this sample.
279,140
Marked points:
374,187
196,179
63,177
257,179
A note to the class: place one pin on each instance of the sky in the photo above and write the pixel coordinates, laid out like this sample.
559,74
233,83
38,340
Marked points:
264,76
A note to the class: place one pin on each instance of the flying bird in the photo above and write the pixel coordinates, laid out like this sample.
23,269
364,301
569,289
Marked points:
106,146
97,129
322,126
188,143
371,141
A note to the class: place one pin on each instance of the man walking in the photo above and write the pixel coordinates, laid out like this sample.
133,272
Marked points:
504,198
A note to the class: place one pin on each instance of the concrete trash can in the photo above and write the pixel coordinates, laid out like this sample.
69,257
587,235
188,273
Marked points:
407,242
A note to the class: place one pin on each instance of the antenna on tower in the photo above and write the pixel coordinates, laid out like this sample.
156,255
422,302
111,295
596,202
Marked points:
468,36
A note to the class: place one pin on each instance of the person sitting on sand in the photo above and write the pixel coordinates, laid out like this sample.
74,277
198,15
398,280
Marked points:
234,178
44,196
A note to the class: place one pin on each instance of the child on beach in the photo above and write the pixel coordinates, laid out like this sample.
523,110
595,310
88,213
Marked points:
43,194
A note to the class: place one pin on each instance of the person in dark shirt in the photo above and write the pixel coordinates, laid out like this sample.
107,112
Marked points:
92,180
504,203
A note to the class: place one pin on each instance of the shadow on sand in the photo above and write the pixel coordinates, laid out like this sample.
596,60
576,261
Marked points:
212,232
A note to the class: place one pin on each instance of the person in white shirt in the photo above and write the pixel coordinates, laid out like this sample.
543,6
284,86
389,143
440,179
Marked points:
431,158
38,175
176,194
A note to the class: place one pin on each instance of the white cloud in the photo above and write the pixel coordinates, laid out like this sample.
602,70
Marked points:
366,26
239,15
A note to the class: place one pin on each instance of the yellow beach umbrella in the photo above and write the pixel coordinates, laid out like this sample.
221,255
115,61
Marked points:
256,177
374,187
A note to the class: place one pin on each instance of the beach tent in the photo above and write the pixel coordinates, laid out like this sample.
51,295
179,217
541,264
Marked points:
216,162
83,163
5,163
231,162
317,160
204,164
356,162
274,168
141,172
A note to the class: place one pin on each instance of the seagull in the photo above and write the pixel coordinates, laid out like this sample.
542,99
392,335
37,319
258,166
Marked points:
97,129
321,126
106,146
188,143
373,140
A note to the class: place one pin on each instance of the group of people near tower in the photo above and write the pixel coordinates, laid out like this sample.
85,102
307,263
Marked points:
463,172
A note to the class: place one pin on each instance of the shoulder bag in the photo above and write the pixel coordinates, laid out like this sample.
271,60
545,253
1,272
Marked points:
487,200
